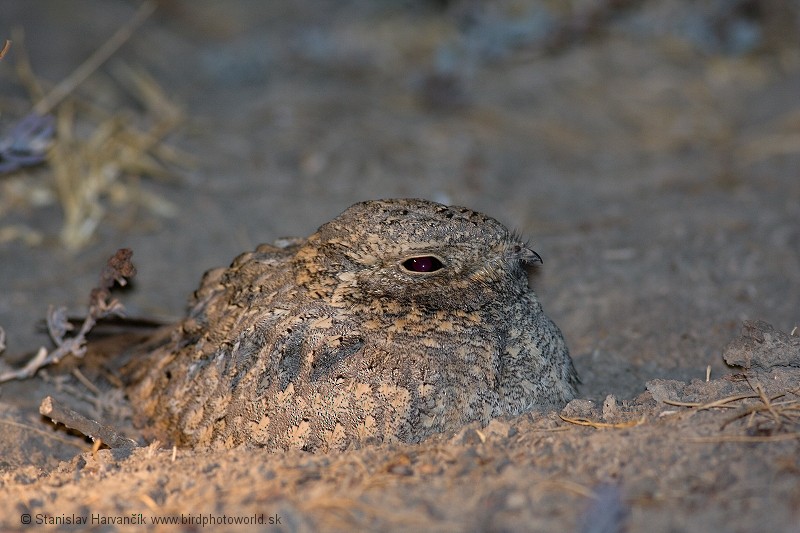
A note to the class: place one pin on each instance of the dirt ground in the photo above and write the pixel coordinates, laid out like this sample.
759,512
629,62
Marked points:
650,150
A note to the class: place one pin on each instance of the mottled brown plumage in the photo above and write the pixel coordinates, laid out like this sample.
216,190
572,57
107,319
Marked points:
396,320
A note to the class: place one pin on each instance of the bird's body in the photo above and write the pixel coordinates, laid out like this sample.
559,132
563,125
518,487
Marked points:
396,320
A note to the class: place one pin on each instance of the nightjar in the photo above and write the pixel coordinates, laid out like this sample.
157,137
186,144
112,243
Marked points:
396,320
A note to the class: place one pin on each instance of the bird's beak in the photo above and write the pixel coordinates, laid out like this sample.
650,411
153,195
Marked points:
525,254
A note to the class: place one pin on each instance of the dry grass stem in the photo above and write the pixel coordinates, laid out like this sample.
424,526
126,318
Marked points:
767,403
105,165
5,49
85,381
93,62
599,425
777,414
565,485
88,170
24,69
716,404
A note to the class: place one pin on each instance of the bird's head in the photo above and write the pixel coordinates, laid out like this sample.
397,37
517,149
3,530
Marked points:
414,251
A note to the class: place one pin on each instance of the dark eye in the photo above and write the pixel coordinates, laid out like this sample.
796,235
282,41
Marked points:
426,263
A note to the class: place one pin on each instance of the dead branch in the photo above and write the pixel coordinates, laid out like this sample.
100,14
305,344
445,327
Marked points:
118,269
91,428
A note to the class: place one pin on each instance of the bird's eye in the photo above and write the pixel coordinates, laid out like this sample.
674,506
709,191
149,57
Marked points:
425,263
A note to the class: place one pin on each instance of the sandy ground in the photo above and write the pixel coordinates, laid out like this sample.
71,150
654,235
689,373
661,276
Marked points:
649,150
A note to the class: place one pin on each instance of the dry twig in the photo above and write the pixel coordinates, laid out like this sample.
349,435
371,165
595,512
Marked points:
91,428
117,270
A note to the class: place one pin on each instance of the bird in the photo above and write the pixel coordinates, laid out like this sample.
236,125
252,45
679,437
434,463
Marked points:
396,320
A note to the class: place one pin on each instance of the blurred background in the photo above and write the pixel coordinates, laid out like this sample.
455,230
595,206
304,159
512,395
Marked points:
650,151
